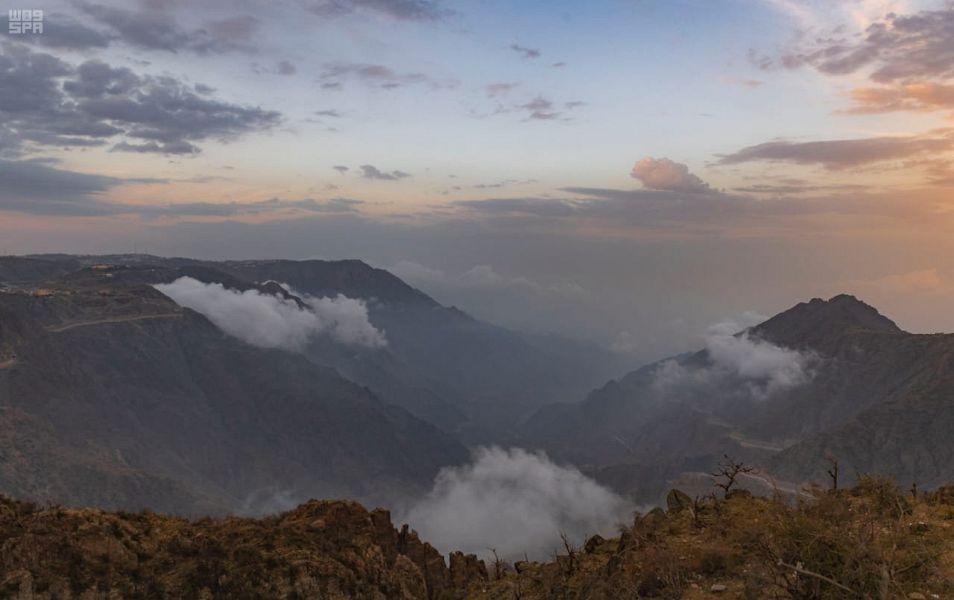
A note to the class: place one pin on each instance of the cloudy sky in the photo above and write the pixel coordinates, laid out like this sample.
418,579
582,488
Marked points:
628,171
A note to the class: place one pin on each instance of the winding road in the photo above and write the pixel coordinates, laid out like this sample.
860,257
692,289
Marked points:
129,319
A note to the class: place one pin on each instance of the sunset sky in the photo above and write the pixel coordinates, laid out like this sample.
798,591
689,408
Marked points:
625,171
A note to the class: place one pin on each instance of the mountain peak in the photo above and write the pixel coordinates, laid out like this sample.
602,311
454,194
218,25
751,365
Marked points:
812,323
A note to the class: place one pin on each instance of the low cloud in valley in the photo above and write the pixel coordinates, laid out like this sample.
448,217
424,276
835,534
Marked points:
734,355
515,502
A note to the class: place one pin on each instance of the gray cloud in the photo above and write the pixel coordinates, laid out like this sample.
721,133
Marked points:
272,322
540,109
664,174
901,47
502,184
408,10
372,172
159,30
499,89
172,147
843,154
796,186
376,75
36,187
46,101
286,67
63,32
525,52
670,210
232,209
646,206
516,502
151,30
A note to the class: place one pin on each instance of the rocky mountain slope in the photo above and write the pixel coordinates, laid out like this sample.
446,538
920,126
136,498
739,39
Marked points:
824,380
468,377
113,395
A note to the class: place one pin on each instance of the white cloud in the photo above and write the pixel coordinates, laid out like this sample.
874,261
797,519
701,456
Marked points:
664,174
271,322
516,502
734,353
349,318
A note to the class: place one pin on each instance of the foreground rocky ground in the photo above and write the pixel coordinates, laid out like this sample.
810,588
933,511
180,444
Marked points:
328,550
873,541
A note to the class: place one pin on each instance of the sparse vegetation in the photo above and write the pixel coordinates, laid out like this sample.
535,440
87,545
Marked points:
871,541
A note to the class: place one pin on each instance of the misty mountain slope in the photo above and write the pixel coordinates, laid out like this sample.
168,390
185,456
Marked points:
469,377
142,386
823,378
494,376
18,268
908,435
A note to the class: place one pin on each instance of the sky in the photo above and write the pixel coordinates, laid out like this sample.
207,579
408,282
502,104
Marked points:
623,171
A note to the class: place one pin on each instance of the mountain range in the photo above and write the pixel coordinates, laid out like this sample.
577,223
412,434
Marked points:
827,380
114,393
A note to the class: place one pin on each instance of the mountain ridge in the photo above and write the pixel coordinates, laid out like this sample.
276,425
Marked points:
135,384
873,396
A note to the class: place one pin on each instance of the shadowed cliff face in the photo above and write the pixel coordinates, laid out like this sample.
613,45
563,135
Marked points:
135,402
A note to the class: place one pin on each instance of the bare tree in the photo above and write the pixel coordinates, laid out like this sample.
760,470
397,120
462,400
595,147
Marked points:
570,551
498,565
833,471
728,472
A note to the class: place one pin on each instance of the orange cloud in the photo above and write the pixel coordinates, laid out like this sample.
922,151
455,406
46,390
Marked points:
914,96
